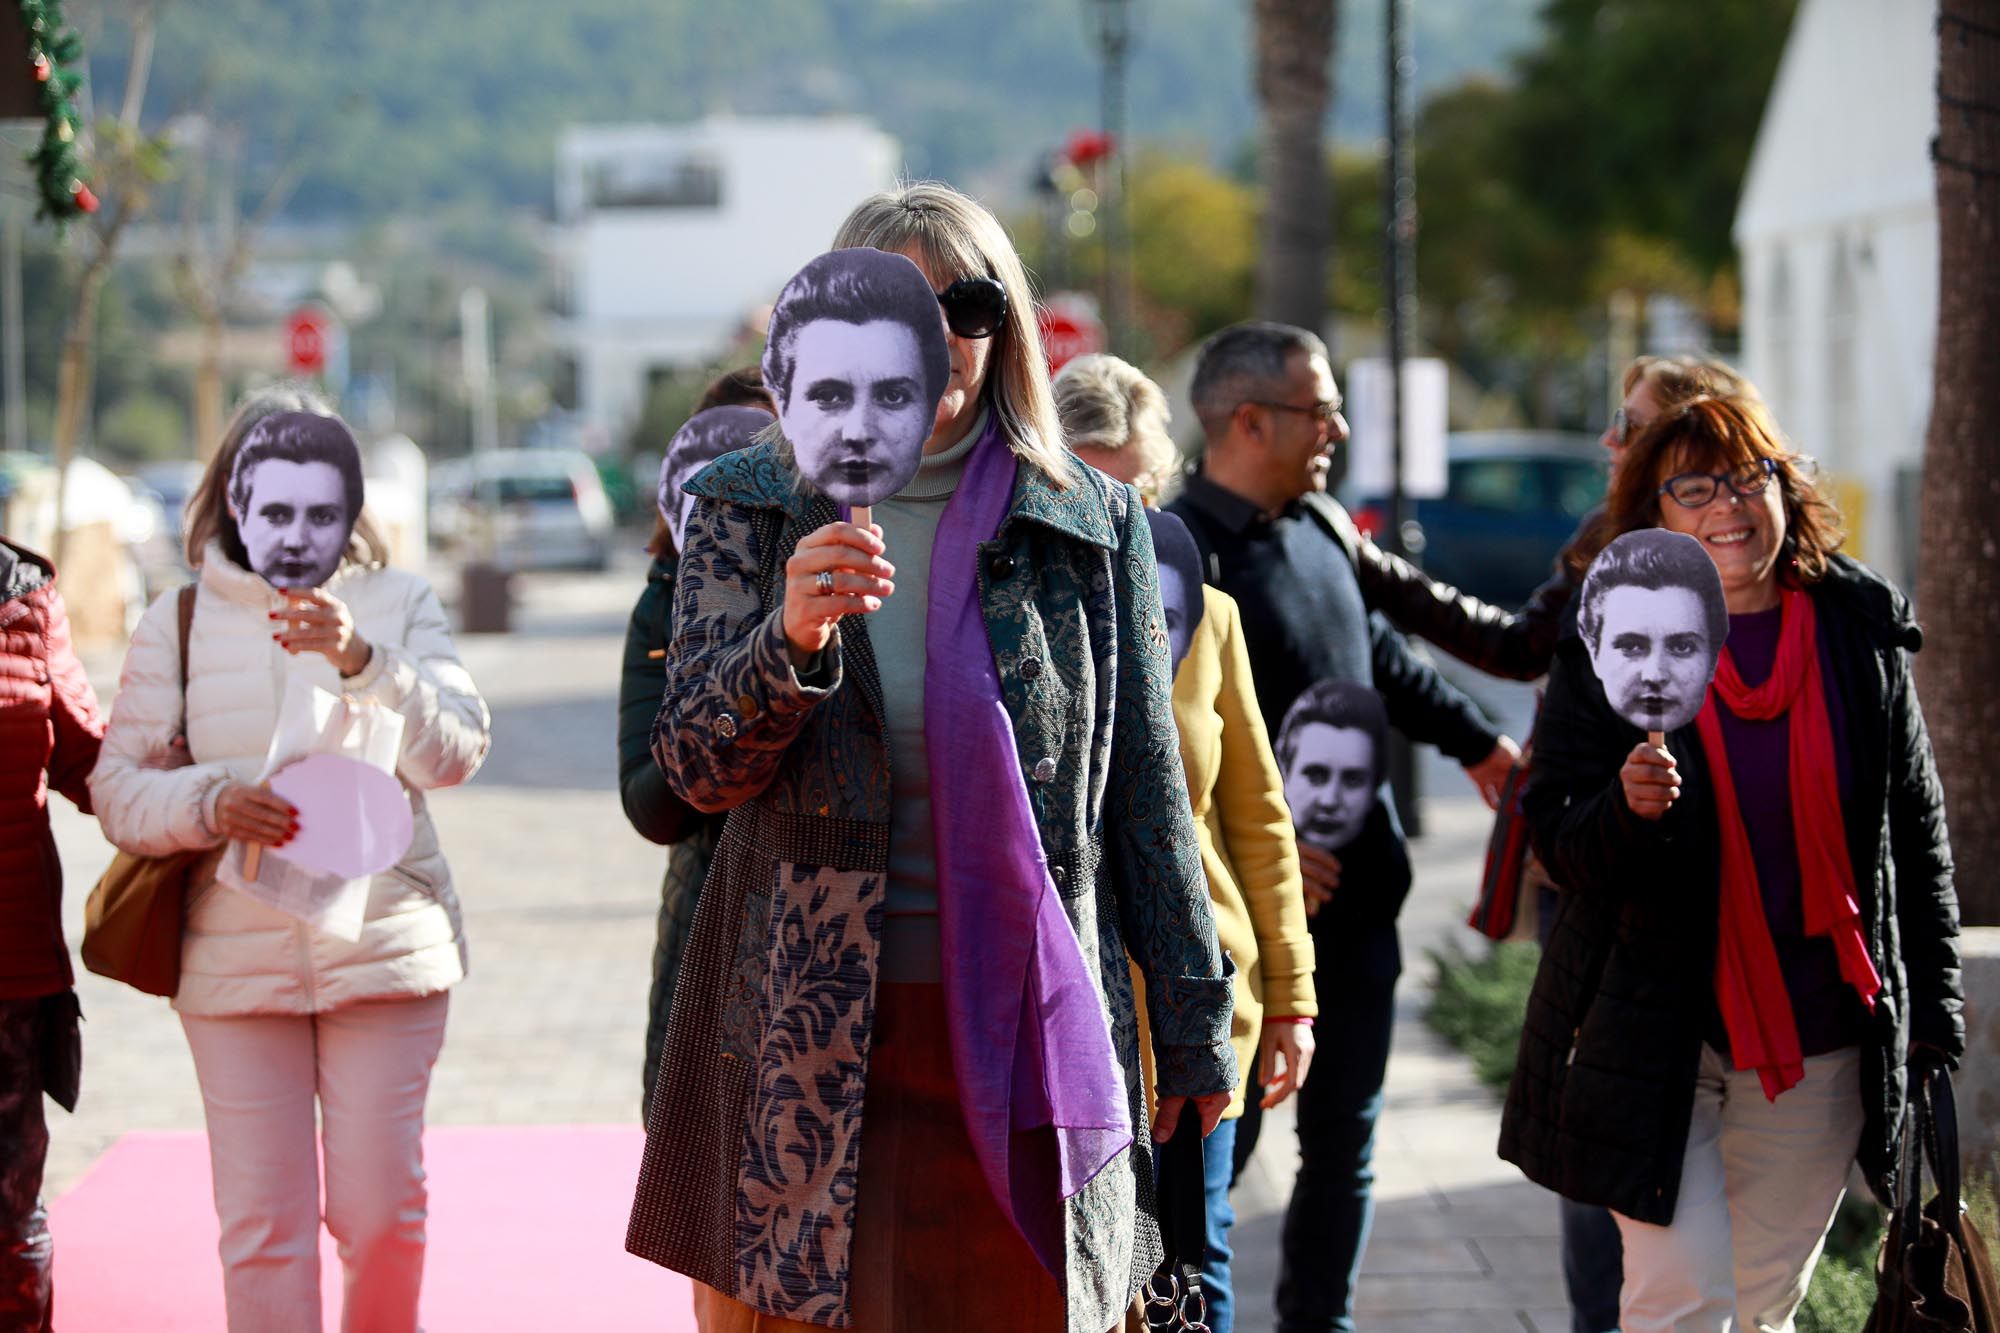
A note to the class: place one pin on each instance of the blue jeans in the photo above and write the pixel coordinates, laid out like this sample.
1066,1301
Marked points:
1218,1152
1593,1255
1332,1206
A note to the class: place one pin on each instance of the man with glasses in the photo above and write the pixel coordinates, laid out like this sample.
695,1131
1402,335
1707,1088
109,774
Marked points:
1307,582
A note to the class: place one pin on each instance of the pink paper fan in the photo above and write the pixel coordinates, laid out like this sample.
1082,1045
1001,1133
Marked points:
354,820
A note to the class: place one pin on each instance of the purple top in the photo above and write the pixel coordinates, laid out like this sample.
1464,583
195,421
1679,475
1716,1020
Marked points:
1827,1012
1043,1094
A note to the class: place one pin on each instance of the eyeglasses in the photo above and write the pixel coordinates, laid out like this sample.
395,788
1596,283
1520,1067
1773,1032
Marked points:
1326,413
974,307
1696,490
1623,428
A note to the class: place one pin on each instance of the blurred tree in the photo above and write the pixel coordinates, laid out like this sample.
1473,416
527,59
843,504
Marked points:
1671,92
1529,225
1960,565
215,246
1194,249
143,428
1293,42
126,165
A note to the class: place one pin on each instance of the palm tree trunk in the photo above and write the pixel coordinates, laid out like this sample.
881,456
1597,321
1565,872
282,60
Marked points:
1959,571
1294,53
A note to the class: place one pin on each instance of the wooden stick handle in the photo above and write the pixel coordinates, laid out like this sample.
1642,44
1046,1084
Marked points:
1657,739
253,860
864,515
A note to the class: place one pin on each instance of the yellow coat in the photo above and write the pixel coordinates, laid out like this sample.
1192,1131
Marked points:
1245,831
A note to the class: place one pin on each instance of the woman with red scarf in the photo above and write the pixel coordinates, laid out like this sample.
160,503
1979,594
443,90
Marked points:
1758,929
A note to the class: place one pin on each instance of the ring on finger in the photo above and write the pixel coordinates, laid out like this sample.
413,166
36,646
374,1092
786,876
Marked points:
824,581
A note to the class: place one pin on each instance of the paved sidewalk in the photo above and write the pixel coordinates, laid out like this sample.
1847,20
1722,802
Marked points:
560,898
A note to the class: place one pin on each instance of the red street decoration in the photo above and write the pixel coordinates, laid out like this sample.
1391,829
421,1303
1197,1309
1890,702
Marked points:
307,330
1087,146
42,68
85,200
1069,328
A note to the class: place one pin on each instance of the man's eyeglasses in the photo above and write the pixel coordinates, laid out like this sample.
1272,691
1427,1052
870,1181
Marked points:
1623,428
1326,413
1696,490
974,307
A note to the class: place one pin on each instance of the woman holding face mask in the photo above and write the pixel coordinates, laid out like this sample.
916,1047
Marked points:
906,1089
1116,420
1759,928
285,1021
652,809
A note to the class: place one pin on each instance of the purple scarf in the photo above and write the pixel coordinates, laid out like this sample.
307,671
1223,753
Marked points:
1030,1042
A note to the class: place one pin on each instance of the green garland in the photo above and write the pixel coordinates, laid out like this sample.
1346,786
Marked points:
54,51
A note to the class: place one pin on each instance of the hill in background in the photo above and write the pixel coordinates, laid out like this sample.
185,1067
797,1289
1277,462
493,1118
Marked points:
400,108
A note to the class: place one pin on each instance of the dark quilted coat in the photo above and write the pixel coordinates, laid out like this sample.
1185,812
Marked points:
49,733
1603,1087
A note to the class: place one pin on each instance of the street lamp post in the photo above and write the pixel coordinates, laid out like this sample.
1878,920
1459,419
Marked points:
1114,41
1399,212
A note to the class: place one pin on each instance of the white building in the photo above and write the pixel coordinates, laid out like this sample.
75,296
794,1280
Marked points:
1837,231
673,236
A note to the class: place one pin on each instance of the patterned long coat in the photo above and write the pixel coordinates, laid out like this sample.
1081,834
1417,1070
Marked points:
749,1177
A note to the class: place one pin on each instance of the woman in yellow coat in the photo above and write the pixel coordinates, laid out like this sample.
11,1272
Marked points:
1115,419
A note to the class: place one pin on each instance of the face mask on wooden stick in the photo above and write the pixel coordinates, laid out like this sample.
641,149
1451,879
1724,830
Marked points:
857,360
1180,580
1652,615
1332,747
705,437
295,493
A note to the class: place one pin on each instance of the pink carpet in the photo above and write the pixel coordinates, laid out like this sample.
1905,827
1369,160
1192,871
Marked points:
527,1232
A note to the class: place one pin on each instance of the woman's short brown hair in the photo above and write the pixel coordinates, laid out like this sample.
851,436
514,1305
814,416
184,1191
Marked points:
1713,433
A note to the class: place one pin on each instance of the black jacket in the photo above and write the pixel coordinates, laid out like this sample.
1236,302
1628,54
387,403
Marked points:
1603,1087
1515,645
655,812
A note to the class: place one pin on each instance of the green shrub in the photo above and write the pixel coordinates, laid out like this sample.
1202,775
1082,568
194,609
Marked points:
1840,1297
1478,1003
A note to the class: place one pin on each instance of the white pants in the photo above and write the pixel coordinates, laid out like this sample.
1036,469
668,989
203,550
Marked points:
369,1065
1759,1186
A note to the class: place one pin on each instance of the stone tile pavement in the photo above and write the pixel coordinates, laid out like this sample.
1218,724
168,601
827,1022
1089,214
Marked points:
559,898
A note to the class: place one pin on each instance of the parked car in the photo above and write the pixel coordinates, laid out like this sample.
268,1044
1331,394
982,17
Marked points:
1512,498
522,509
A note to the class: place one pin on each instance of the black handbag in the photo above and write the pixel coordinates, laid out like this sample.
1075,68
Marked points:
1172,1297
1935,1273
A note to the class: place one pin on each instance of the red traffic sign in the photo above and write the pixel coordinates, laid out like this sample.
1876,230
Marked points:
308,333
1070,329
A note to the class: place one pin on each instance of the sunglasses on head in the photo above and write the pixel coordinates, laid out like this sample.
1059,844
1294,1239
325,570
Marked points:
974,307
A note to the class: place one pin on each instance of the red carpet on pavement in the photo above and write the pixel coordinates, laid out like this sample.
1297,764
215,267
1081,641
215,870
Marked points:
527,1232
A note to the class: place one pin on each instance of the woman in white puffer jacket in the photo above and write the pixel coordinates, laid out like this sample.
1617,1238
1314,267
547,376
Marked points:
278,1014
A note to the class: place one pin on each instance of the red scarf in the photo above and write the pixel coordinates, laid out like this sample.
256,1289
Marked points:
1749,985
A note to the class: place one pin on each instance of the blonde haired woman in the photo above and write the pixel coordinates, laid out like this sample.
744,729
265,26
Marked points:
1116,418
905,1089
284,1020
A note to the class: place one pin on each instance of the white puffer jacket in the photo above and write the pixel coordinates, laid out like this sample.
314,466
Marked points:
239,956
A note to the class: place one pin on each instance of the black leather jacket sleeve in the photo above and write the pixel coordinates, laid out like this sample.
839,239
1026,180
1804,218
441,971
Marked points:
1422,704
1517,645
1926,897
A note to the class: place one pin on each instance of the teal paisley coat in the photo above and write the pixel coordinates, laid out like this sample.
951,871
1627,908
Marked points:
749,1177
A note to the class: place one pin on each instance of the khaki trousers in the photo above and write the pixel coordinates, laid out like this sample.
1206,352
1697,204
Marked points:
369,1068
1759,1185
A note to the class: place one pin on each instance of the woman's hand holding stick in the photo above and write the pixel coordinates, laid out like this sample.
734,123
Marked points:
836,571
